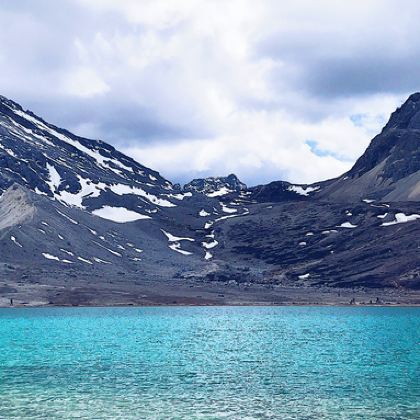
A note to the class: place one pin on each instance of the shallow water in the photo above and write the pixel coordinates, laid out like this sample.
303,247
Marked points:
210,363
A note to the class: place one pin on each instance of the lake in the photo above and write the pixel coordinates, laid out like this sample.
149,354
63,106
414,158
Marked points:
210,363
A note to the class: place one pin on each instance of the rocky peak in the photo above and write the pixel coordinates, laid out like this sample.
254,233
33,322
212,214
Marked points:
390,167
396,148
216,185
407,115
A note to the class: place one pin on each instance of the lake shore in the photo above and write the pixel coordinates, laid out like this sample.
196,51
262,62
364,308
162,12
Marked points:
178,293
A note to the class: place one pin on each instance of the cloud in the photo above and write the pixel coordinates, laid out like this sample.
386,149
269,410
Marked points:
84,82
331,49
198,87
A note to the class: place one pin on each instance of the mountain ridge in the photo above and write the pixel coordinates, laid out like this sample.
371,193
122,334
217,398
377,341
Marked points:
389,169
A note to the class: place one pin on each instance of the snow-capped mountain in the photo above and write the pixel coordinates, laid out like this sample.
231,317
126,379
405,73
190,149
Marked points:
81,222
88,174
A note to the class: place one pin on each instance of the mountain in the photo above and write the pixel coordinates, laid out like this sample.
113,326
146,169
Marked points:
282,191
87,174
389,170
81,223
216,186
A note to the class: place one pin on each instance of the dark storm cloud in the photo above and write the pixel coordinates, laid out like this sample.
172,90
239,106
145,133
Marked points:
107,118
360,48
337,76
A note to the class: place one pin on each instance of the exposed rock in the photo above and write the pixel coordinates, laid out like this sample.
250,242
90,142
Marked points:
389,170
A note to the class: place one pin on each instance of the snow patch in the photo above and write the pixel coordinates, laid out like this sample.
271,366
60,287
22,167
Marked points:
218,193
109,250
87,188
67,252
228,209
173,238
50,257
302,191
122,189
55,178
14,240
402,218
246,211
98,260
85,261
176,246
210,245
67,217
118,214
180,196
208,225
348,225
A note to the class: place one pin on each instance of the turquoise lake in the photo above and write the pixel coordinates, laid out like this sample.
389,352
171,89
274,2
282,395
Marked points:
210,363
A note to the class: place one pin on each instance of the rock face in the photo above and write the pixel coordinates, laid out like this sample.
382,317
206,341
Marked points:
278,191
15,207
216,186
78,219
390,168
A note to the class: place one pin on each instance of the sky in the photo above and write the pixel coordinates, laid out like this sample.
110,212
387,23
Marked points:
268,90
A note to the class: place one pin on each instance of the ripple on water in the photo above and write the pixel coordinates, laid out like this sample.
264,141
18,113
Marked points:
234,363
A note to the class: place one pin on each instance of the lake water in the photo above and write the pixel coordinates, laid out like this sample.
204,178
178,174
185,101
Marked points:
210,363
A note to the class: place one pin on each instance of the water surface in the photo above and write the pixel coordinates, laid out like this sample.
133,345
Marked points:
210,363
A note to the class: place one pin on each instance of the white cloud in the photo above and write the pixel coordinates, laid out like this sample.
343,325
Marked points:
217,86
257,145
84,82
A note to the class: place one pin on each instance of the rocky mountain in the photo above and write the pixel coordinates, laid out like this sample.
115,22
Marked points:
87,174
283,191
81,223
389,170
216,186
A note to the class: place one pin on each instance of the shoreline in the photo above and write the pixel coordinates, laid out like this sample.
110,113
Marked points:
232,305
179,293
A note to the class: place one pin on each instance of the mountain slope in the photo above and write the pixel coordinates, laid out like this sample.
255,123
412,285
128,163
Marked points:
389,170
73,170
316,243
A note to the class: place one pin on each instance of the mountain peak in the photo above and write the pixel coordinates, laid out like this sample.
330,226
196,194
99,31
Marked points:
214,186
389,169
9,102
407,115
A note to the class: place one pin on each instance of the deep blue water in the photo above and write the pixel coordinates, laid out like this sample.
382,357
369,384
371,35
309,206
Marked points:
210,363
